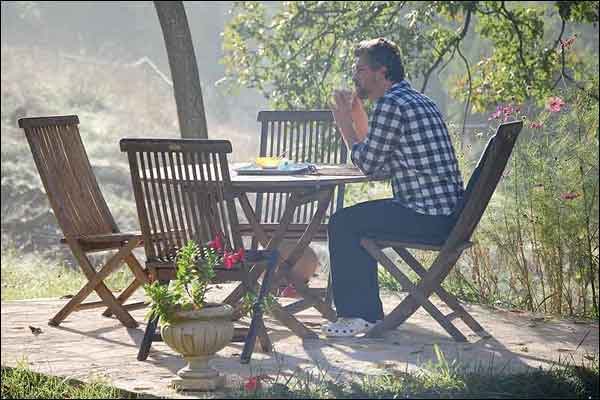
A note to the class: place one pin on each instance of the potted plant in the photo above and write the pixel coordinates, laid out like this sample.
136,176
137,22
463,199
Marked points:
190,325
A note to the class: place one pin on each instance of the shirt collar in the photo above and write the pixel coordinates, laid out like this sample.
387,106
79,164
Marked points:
403,84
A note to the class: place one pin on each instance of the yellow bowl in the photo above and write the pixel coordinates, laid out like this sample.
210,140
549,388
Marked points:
268,162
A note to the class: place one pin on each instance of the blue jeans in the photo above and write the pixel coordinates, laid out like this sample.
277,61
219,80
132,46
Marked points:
353,270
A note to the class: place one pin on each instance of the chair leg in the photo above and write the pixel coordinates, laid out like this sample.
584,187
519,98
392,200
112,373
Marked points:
446,297
148,338
257,324
378,254
141,278
95,283
329,295
263,337
411,304
136,268
125,294
150,333
106,296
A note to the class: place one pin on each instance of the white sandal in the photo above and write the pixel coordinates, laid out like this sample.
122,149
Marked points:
346,327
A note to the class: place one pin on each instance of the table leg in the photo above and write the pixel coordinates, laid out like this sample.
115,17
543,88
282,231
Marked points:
284,317
324,198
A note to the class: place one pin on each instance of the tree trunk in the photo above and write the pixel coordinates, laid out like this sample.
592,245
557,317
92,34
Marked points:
184,70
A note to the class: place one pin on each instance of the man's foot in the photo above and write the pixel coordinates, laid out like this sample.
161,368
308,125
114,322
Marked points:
345,327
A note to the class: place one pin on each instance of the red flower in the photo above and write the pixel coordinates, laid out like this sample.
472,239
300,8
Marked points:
289,291
251,384
241,253
554,104
216,243
228,260
536,125
569,196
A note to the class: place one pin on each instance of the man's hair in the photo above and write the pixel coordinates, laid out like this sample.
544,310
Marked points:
382,52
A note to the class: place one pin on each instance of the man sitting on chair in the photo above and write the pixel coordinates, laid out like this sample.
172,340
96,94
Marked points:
407,135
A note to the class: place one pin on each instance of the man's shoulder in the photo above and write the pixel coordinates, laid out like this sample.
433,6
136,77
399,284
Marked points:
409,101
401,94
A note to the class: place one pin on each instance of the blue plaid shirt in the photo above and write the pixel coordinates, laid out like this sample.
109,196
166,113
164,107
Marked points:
408,136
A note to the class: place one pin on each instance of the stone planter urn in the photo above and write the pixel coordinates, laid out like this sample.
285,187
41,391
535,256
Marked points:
197,335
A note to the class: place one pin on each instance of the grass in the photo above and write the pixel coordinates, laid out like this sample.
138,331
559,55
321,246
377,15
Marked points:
22,383
437,380
29,276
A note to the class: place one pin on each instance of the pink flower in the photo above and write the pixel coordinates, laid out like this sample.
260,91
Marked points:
569,196
566,44
496,114
536,125
251,384
554,104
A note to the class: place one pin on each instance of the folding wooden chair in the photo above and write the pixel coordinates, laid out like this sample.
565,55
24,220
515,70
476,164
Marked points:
302,136
479,190
183,192
82,213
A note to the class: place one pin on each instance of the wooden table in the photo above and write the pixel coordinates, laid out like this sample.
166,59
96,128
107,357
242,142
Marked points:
304,188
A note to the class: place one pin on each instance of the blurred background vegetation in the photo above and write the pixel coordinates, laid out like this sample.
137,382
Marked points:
482,62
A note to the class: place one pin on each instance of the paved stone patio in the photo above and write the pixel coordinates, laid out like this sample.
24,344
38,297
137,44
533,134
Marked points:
88,346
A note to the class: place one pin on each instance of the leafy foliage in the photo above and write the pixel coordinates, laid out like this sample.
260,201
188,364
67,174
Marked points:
296,53
544,219
195,269
249,300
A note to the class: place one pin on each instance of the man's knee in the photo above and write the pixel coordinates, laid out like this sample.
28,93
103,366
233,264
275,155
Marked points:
337,222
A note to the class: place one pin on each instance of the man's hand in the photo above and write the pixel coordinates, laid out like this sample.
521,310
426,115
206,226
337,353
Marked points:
359,117
342,109
342,104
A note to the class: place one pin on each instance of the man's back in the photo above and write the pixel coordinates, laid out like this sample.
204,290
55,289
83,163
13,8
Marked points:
407,134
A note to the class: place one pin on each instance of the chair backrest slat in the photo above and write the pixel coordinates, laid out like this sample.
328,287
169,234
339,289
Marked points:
182,190
304,136
67,175
484,181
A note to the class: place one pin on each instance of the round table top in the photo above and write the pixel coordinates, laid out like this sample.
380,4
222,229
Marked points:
326,176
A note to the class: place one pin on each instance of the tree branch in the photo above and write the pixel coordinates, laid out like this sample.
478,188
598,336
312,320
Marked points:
454,43
468,101
510,17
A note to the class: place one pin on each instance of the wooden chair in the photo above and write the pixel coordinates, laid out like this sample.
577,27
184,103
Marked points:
83,215
183,192
303,136
479,190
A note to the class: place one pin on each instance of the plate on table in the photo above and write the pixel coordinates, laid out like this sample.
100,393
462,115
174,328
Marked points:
282,169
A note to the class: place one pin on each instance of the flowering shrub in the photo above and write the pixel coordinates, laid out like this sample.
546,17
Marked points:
538,241
195,270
